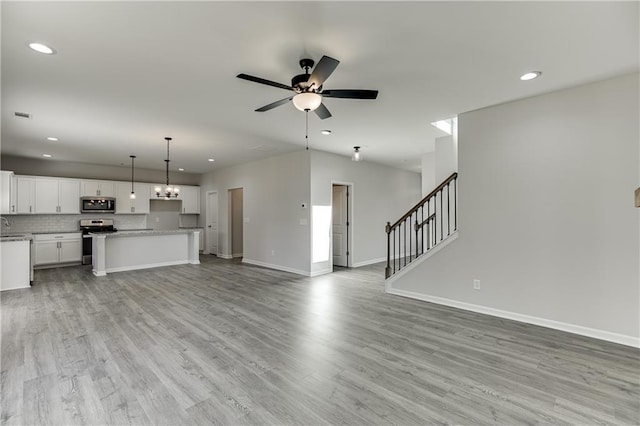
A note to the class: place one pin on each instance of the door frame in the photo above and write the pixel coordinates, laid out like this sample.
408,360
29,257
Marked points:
207,223
350,209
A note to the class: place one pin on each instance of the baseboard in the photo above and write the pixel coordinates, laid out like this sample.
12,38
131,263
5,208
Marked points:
321,272
224,256
543,322
276,267
146,266
368,262
236,255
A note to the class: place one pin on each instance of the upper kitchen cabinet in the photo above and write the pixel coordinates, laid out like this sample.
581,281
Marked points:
190,199
124,203
98,188
25,195
53,195
8,192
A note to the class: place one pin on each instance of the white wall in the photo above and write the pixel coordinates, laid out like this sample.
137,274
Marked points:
273,189
446,158
380,194
428,174
546,215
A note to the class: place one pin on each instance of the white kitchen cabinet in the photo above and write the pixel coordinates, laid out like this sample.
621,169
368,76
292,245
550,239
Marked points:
98,188
25,195
8,200
190,199
124,203
57,195
57,248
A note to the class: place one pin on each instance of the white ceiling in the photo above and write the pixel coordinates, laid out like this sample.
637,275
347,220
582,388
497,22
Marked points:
128,74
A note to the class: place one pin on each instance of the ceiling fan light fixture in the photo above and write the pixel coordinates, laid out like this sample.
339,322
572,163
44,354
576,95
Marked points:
307,101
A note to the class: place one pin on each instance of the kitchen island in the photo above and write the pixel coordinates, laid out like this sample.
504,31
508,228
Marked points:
129,250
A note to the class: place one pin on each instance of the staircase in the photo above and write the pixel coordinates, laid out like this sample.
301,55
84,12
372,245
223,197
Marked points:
423,227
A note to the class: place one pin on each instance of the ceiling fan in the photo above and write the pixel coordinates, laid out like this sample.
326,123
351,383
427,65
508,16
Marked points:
307,88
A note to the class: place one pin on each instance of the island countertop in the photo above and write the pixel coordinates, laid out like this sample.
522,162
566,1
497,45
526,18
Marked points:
142,232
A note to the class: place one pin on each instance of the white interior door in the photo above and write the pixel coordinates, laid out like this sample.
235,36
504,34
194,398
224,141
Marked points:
340,229
212,223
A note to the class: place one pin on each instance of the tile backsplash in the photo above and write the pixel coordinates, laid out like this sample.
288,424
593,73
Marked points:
67,222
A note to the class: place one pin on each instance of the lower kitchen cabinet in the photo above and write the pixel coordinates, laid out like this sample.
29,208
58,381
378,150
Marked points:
51,249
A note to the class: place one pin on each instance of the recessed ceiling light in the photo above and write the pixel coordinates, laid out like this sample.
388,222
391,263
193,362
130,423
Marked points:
52,139
47,155
211,159
42,48
530,75
180,169
325,132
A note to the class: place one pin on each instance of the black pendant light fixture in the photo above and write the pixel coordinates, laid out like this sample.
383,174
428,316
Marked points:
169,191
133,194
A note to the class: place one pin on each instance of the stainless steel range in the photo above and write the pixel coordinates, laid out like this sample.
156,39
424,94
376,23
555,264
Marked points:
93,226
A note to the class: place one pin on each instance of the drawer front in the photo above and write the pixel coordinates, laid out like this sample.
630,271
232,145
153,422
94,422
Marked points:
58,237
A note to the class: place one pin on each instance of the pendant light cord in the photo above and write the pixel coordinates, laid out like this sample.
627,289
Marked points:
132,159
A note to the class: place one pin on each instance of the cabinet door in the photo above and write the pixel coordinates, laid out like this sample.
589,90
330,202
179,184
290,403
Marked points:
190,199
90,188
123,201
13,198
46,195
25,195
70,251
69,196
107,189
46,252
6,181
141,203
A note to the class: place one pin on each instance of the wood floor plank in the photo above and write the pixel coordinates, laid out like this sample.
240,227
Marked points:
233,344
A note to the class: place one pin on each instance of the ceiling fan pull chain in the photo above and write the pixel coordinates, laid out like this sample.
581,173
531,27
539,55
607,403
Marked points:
306,133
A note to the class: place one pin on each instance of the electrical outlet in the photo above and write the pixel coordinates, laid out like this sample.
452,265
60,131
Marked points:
273,252
476,284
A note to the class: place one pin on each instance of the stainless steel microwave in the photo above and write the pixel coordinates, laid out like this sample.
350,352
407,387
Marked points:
98,205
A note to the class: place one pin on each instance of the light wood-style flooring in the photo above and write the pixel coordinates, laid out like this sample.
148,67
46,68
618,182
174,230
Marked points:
227,343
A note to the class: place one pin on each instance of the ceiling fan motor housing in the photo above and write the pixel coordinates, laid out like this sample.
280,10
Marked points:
299,82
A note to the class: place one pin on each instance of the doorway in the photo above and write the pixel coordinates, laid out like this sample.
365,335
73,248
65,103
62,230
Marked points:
341,224
236,222
212,223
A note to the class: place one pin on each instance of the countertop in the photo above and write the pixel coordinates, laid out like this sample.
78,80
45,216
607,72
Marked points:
141,232
16,237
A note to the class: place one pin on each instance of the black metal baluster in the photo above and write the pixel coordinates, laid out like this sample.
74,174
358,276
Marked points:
448,213
455,204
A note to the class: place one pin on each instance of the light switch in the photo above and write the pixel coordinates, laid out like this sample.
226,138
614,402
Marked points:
303,222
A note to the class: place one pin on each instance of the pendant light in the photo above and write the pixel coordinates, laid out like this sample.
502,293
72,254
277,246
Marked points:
133,194
169,190
357,155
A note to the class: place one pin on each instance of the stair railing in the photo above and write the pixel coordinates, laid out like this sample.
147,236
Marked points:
419,230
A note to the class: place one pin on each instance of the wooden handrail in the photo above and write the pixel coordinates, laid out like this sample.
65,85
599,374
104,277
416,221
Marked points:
423,201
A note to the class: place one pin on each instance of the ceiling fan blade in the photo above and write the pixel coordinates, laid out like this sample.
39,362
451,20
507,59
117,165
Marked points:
263,81
350,94
322,71
274,104
322,112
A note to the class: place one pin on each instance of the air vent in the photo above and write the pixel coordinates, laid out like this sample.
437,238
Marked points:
22,114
